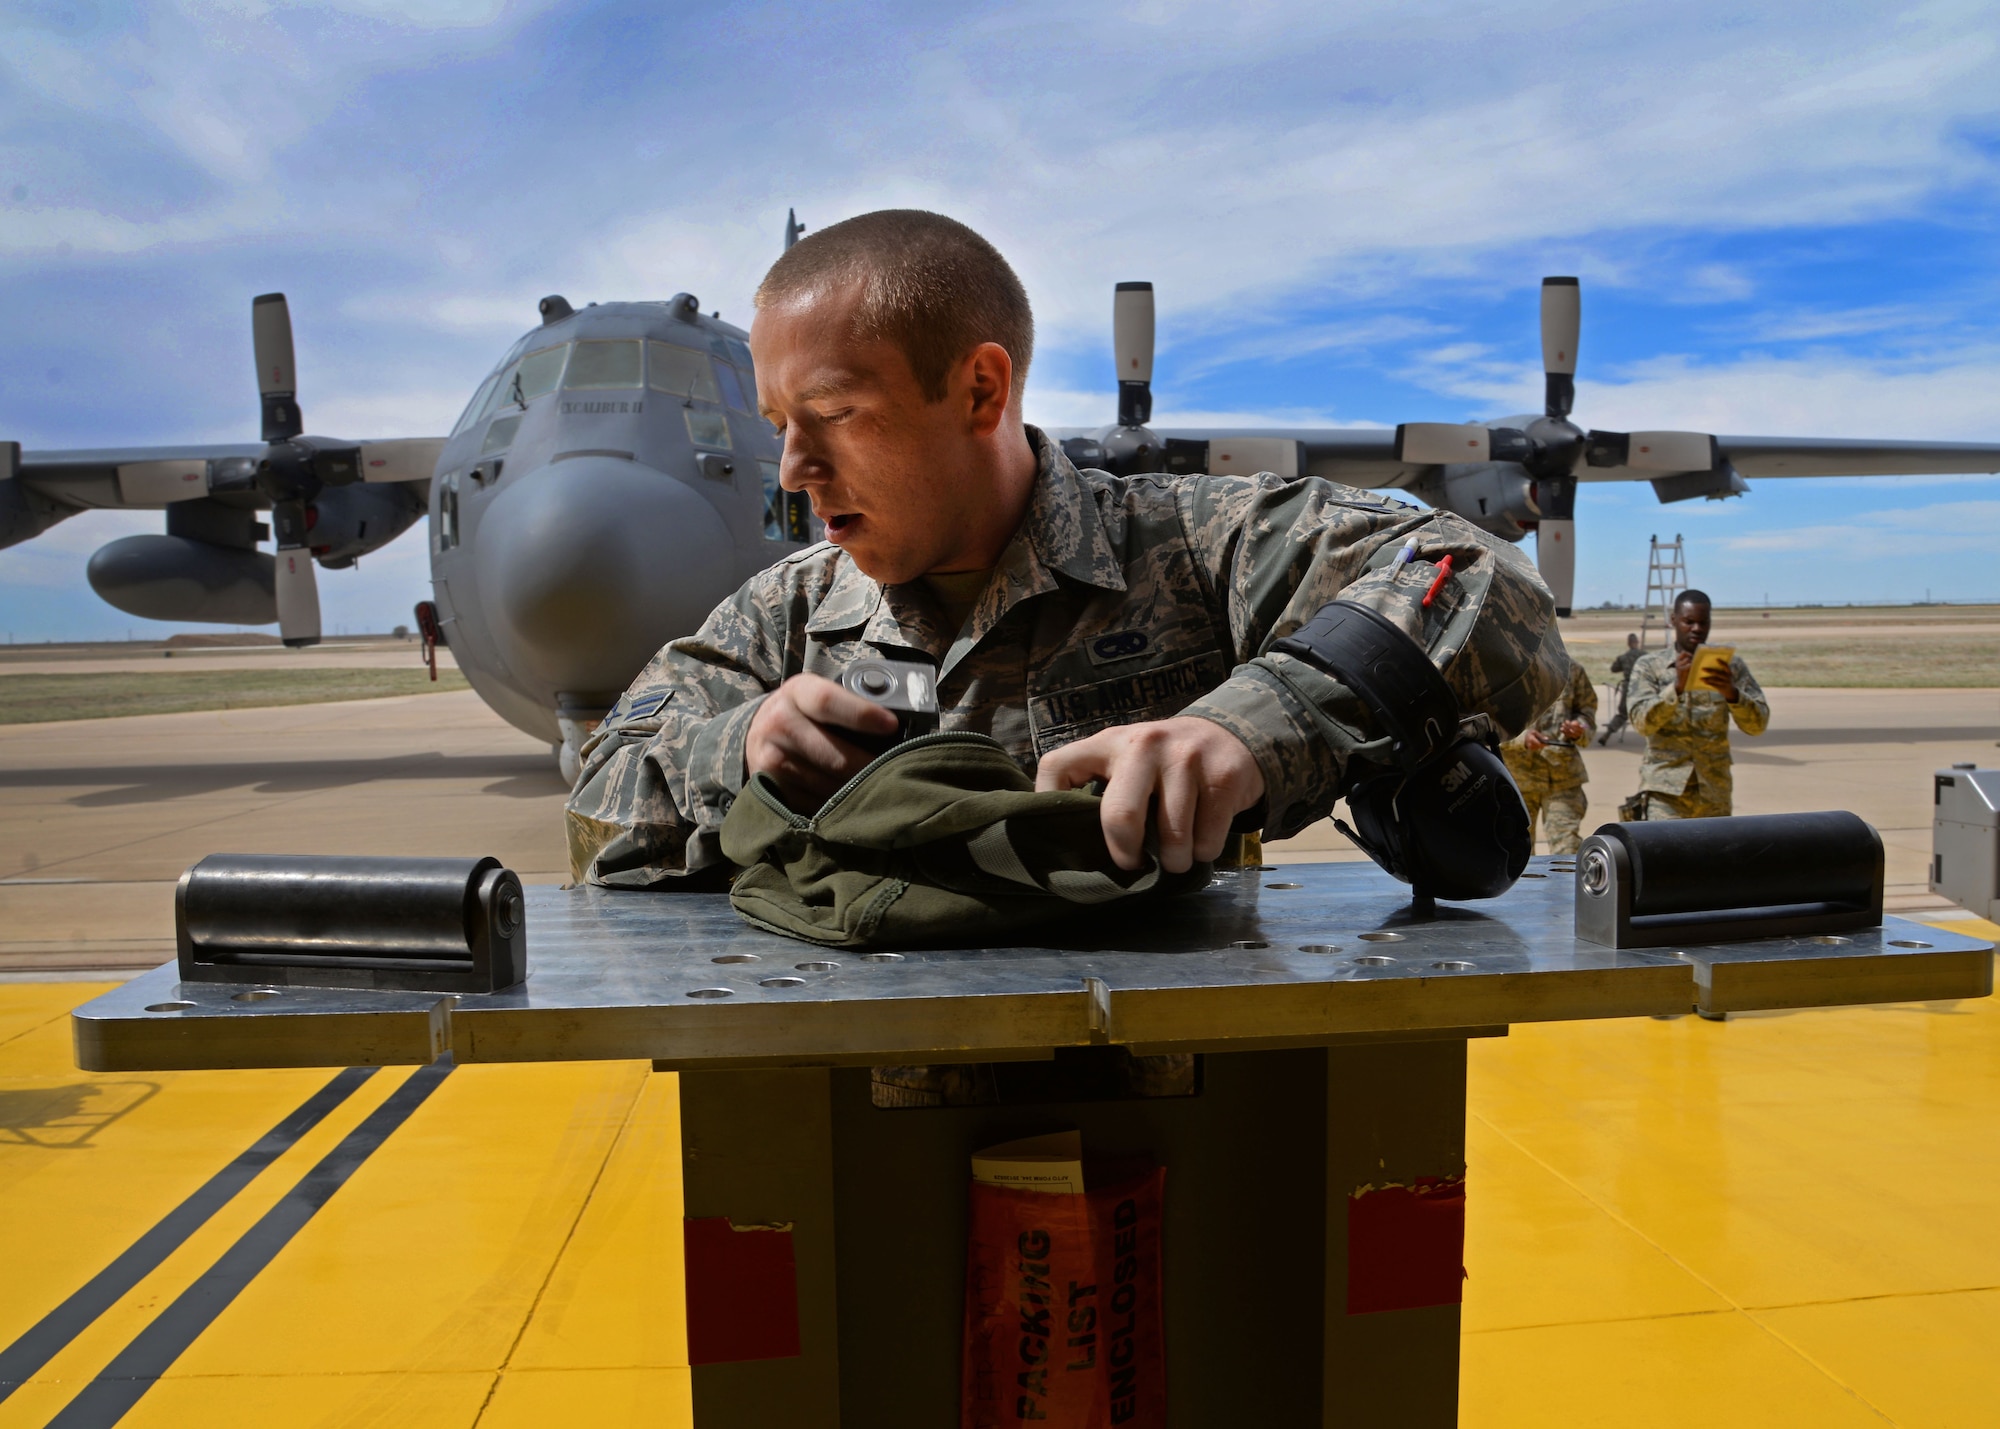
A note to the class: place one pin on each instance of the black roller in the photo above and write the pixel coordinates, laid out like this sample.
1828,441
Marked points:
444,924
1753,876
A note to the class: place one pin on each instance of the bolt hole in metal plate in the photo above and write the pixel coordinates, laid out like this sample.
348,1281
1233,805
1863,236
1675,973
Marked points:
881,957
1319,947
1828,940
1907,943
255,994
1249,944
735,958
1376,960
781,982
168,1006
1534,875
818,967
1284,885
1454,967
710,992
1381,937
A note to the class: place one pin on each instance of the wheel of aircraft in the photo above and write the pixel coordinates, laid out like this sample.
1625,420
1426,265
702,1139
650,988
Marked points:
610,482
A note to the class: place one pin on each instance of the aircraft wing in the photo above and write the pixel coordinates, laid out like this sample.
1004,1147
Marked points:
113,477
1366,456
1824,456
119,477
1358,456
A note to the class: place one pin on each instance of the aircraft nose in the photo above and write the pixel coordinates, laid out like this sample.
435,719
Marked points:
588,566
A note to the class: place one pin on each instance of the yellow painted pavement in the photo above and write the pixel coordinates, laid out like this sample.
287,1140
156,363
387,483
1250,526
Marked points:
1778,1220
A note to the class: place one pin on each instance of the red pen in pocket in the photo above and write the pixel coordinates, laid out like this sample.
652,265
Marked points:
1443,575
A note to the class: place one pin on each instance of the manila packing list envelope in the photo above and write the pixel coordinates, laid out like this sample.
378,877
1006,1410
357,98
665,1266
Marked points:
1706,658
1052,1164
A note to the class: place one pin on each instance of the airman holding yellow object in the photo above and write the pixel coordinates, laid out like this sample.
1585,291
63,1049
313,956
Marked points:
1683,706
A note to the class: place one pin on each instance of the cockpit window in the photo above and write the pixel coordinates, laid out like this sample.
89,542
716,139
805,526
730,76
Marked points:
500,434
732,389
604,364
477,405
537,375
707,429
680,372
447,527
785,512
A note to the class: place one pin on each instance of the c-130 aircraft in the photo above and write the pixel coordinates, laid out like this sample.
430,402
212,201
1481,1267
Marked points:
610,482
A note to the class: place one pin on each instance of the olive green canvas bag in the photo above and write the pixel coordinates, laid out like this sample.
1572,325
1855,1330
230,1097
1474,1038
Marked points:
941,840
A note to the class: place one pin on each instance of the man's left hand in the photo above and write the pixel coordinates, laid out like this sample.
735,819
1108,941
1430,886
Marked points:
1722,680
1192,773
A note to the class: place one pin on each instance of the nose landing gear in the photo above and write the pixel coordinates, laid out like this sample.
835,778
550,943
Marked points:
576,726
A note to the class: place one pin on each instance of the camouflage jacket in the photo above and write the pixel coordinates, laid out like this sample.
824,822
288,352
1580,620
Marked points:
1687,735
1119,599
1558,765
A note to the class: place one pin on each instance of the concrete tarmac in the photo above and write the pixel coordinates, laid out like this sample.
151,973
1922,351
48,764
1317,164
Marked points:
98,818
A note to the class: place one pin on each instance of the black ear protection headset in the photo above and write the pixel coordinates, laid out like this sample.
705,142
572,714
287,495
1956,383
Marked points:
1446,819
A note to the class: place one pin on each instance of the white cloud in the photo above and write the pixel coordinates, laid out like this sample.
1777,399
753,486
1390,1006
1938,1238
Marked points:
1937,529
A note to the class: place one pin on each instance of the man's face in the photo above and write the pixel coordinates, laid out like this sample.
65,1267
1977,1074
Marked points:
881,465
1690,622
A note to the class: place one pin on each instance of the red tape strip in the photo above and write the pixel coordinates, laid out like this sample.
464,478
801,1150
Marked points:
1406,1246
742,1292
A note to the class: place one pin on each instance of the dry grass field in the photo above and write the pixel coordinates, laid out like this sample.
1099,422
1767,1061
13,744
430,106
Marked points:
35,698
1877,647
1830,647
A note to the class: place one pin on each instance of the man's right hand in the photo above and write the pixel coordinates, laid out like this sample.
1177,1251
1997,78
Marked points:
1533,741
798,737
1683,659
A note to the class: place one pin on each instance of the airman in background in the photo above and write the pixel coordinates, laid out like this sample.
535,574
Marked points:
1546,760
1686,772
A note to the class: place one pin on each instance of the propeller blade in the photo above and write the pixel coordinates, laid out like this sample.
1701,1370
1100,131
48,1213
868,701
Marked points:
298,597
1132,343
1562,322
1555,537
1555,558
277,372
1438,443
408,459
1654,451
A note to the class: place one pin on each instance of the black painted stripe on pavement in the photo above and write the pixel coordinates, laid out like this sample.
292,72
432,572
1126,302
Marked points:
123,1382
45,1340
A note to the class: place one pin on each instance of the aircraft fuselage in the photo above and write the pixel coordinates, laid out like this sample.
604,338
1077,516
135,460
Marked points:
609,484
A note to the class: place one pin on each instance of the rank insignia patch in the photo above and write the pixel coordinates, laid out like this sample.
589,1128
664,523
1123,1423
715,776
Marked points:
1108,649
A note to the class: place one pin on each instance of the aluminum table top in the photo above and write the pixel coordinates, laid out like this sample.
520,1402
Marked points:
1262,958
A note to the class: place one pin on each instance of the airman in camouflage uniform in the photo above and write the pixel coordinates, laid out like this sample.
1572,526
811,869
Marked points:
1550,772
1686,772
1118,600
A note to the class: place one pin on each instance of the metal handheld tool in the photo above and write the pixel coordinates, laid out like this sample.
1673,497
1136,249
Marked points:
905,688
430,924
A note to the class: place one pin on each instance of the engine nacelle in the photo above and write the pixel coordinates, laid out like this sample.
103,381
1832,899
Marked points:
351,521
175,578
1496,497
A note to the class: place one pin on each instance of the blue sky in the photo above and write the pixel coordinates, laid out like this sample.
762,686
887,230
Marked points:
1784,220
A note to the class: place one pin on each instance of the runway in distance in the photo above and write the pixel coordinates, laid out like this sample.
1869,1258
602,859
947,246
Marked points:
610,482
